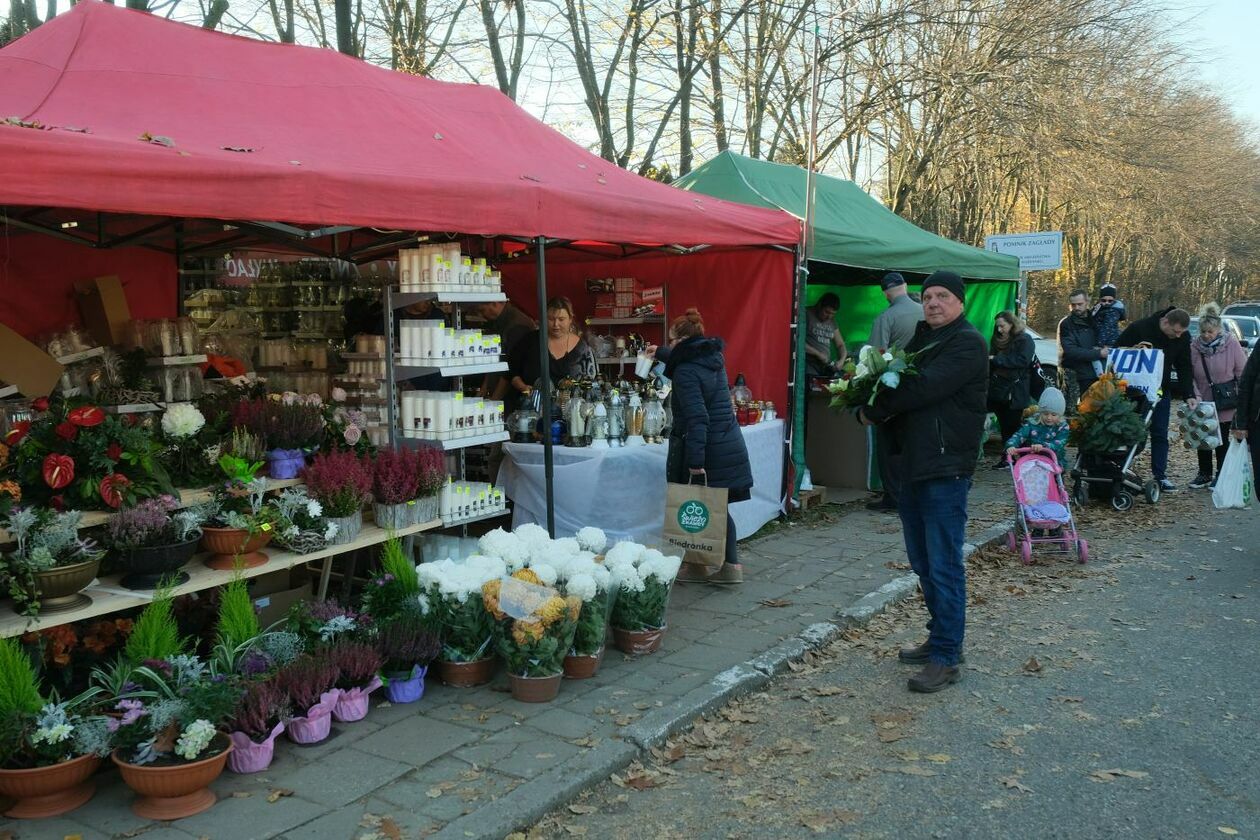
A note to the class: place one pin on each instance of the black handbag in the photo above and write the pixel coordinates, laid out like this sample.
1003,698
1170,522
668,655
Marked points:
1224,394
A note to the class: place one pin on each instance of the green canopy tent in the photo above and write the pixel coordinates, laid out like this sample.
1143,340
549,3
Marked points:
856,240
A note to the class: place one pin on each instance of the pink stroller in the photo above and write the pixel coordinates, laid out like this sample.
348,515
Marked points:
1042,504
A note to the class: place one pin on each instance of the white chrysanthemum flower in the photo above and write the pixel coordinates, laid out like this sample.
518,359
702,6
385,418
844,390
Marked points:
565,546
546,573
314,509
533,535
628,579
182,420
660,567
583,586
624,553
592,539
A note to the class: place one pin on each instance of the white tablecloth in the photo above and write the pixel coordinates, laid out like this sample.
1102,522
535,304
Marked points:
622,490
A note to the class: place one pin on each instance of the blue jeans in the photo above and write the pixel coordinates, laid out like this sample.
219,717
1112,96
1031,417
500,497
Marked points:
1159,438
934,521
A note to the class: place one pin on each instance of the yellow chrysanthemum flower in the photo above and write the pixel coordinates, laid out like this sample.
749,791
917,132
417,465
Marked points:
490,597
575,607
527,632
552,610
528,576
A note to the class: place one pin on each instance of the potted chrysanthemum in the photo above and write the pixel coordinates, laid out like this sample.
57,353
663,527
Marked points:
450,594
591,582
644,578
534,627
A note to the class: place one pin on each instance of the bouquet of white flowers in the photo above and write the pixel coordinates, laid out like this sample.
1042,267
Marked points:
644,578
451,592
859,384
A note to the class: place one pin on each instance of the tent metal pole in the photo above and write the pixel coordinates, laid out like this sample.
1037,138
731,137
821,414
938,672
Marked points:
544,358
800,385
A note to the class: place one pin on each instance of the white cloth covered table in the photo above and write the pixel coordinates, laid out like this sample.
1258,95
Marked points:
622,490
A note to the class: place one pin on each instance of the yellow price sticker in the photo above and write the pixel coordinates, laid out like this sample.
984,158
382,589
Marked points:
412,502
266,526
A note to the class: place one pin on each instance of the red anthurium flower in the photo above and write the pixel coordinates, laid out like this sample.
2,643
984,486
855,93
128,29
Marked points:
112,487
58,471
114,452
40,404
19,430
67,430
86,416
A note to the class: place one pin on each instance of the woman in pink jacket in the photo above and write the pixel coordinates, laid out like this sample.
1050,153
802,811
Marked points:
1216,358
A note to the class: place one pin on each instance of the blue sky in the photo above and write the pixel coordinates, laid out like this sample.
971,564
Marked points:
1226,34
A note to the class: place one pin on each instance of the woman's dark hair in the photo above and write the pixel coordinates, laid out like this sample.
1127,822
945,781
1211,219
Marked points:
687,325
1016,322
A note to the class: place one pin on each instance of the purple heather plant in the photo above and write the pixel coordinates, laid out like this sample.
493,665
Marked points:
262,706
395,476
356,663
340,481
146,524
305,679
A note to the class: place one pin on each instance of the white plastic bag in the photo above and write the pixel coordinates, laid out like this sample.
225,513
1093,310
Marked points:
1233,485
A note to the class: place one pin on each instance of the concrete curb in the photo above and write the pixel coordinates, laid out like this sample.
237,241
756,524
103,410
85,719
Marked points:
538,797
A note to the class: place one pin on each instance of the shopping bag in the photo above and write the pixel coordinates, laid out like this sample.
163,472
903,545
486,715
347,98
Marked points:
1233,485
695,523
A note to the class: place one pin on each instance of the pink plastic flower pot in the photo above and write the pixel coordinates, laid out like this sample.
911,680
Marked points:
317,723
352,705
249,756
404,688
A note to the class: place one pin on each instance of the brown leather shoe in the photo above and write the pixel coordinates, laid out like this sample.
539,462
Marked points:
694,573
934,677
729,575
919,655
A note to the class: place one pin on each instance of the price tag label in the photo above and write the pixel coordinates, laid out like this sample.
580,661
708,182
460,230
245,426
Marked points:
412,502
266,526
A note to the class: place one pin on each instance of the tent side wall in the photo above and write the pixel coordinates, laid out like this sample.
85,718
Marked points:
38,274
744,296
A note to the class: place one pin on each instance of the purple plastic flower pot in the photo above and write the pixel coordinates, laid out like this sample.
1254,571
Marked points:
285,463
250,756
404,688
317,723
352,705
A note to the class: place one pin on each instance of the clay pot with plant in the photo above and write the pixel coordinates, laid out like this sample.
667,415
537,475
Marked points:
49,750
243,522
50,564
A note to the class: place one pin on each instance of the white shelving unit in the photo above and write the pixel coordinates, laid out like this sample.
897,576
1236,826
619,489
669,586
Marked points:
404,370
455,444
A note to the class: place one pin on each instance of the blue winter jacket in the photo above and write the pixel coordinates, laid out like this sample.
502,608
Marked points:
705,433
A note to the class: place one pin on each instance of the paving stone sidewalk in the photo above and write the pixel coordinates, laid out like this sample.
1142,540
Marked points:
475,763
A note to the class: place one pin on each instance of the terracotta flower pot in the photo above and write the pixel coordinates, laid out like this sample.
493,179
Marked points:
147,567
638,642
352,703
60,589
466,674
49,791
317,723
250,756
582,667
174,791
406,686
535,689
227,543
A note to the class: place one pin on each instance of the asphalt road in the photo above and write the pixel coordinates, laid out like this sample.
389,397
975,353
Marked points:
1118,699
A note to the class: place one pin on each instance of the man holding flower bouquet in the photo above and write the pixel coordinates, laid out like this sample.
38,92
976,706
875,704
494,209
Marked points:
936,417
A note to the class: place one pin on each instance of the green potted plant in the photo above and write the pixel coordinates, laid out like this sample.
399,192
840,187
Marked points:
152,540
242,521
342,483
302,528
169,750
49,749
51,563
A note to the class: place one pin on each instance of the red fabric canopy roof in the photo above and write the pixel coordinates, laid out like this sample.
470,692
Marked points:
335,141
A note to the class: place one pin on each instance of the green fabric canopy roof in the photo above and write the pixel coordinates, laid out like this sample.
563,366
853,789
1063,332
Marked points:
850,227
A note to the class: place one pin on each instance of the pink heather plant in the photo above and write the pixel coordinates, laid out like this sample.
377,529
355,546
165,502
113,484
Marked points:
341,481
430,471
396,476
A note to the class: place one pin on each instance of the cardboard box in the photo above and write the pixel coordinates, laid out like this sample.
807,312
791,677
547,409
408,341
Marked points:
629,299
605,300
599,284
274,606
34,372
103,305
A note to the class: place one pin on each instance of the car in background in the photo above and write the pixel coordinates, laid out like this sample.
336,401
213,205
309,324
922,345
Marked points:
1046,351
1245,327
1230,324
1247,308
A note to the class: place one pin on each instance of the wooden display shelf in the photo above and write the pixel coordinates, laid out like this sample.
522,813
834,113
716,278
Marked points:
133,408
109,596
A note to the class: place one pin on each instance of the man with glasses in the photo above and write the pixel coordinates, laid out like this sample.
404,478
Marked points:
1108,314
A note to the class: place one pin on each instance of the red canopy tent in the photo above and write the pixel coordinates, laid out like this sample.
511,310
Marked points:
128,133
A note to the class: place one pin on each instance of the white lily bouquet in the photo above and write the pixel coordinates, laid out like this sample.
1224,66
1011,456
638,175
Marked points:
859,384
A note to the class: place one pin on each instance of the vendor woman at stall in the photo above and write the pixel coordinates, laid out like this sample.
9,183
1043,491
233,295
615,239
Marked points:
569,354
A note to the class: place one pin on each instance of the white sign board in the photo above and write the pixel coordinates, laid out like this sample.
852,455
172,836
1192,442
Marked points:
1036,251
1139,367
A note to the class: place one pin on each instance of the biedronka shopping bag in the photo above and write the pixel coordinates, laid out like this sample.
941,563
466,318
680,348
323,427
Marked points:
695,522
1233,486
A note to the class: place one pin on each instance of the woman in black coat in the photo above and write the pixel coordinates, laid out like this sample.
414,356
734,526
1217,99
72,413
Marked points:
1011,353
705,441
1247,417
